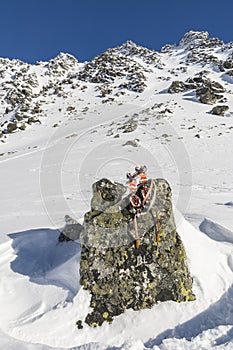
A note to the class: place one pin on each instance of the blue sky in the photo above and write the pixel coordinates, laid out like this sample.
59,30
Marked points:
34,30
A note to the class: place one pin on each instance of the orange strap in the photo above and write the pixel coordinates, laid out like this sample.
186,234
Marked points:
133,185
143,178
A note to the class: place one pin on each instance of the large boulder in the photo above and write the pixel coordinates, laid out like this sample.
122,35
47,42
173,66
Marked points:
230,72
71,231
228,64
207,91
12,126
210,92
177,86
207,95
220,110
120,276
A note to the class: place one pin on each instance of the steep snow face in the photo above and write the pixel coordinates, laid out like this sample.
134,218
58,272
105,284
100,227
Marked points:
65,125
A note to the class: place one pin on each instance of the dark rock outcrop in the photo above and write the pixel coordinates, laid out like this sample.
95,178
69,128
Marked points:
11,127
118,275
72,230
110,67
195,43
207,95
207,91
230,73
195,39
177,86
219,110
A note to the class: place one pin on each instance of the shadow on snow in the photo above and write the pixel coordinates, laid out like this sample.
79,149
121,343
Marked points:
45,261
218,314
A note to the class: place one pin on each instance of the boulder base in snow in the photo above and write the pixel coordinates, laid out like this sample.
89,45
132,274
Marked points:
71,231
118,275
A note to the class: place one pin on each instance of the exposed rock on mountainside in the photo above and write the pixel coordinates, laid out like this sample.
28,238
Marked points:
22,90
130,49
118,275
219,110
177,86
27,90
194,39
207,91
210,92
61,64
230,72
200,48
228,63
109,67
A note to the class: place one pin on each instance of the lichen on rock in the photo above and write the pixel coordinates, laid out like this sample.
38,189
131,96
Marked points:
118,275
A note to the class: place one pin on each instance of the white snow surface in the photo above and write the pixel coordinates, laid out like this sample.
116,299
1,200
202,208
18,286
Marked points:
47,172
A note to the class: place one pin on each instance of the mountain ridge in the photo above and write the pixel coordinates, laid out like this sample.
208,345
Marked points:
122,70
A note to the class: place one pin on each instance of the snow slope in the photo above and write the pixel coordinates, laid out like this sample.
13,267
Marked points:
47,171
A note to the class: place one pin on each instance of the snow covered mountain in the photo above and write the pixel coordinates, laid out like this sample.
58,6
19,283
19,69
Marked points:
65,124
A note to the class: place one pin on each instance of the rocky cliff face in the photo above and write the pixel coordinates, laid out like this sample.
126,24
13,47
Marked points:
118,275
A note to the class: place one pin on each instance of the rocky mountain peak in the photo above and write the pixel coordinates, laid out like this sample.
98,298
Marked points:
65,57
62,62
129,45
132,50
195,39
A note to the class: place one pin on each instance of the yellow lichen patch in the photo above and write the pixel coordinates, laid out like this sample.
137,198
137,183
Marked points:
96,288
186,293
105,315
94,324
152,285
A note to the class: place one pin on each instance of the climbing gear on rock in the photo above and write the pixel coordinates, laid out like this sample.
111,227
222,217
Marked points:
141,168
140,198
146,193
132,182
137,244
156,230
138,195
135,200
141,172
138,181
